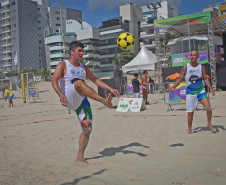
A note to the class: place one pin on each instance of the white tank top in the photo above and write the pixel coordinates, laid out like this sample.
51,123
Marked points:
73,73
193,80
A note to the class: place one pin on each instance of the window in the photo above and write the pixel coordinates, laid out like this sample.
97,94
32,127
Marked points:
57,12
57,24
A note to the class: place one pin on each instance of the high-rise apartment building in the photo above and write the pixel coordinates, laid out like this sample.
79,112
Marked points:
90,38
133,14
58,37
109,32
129,21
57,44
147,32
54,18
22,31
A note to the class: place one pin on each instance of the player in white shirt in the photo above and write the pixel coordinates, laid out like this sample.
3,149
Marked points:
69,83
193,74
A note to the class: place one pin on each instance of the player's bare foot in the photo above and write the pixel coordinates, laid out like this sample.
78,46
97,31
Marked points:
108,102
81,160
189,131
212,128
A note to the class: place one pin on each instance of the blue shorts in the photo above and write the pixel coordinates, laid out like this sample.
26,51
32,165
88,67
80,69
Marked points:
11,97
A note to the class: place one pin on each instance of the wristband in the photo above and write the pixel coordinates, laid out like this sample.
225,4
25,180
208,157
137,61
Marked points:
211,88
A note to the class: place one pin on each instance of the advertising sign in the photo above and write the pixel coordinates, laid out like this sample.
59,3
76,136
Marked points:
184,58
177,60
179,94
130,105
130,89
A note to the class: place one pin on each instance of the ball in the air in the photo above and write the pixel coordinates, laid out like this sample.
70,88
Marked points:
125,41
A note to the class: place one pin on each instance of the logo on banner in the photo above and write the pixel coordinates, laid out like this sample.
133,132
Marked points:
123,106
130,105
179,94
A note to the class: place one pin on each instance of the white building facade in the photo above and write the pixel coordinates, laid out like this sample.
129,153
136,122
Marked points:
57,44
147,32
22,27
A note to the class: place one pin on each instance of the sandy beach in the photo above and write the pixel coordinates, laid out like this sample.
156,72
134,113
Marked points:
39,143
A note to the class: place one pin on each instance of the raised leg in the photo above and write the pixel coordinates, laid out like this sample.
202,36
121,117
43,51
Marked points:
83,140
84,89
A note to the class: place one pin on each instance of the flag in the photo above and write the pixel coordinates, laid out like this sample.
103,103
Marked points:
15,59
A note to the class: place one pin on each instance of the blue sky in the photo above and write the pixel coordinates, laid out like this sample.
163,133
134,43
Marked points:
96,11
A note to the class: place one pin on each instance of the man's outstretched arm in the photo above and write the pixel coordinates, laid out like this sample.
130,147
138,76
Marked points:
181,77
206,80
55,82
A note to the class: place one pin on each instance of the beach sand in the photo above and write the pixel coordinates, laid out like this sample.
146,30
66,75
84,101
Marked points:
39,143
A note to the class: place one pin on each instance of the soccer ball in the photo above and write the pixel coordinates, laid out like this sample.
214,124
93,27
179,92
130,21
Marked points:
125,41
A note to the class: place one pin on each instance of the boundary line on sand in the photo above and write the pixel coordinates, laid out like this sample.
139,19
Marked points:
113,115
162,115
36,122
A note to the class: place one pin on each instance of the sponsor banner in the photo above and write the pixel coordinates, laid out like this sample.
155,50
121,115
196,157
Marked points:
177,60
179,94
130,89
32,92
130,105
184,58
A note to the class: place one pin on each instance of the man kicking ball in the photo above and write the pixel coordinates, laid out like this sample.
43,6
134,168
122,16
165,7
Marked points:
193,74
69,83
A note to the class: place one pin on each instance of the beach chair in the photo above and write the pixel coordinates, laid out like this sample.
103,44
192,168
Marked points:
33,93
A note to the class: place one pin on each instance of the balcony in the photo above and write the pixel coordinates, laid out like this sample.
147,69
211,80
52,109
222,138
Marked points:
7,51
52,71
6,38
7,65
6,31
56,48
88,47
146,25
149,45
54,39
5,10
144,35
107,56
6,17
108,46
7,58
57,55
7,44
91,55
7,23
54,63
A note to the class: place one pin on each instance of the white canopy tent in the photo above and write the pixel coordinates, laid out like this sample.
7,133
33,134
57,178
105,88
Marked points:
145,60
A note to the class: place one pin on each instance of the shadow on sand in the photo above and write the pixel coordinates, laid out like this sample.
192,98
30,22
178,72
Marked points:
76,181
177,144
203,129
107,152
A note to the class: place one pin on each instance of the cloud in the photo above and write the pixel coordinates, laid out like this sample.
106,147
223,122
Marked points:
114,4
